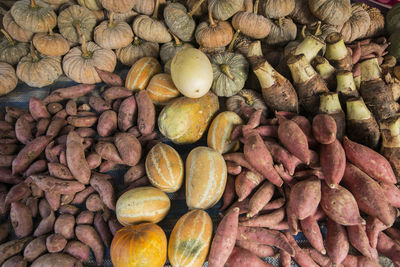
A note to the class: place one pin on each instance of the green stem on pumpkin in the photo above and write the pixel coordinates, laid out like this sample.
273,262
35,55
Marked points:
247,98
318,29
195,7
136,41
280,22
155,13
34,55
176,39
230,48
33,4
51,33
9,38
226,71
111,22
255,7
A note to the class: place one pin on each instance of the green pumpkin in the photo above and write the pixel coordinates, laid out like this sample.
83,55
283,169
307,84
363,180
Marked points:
393,19
394,48
168,50
224,9
90,4
179,21
12,51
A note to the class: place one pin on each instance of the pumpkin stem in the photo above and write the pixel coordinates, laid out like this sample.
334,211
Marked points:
9,38
34,55
111,22
33,4
226,71
255,7
136,41
155,13
280,22
195,7
85,52
230,48
248,98
51,33
212,22
318,29
176,39
303,32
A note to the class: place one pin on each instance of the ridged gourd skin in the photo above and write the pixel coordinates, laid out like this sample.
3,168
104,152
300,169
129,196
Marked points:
335,12
11,51
143,245
8,78
142,204
224,9
179,21
17,32
184,120
118,5
151,29
162,89
141,72
220,131
190,239
206,176
90,4
133,52
51,44
164,168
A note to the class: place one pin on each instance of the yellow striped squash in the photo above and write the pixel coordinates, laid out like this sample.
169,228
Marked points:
190,239
164,167
141,72
162,89
142,204
220,132
205,177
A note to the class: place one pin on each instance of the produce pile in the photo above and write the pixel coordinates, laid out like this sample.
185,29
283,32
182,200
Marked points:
314,141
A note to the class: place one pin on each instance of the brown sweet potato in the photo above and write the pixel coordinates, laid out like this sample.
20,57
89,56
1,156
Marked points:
13,247
66,129
17,193
260,250
260,198
53,199
108,151
45,226
337,244
114,225
299,255
93,160
134,173
8,149
313,233
104,188
243,257
281,155
36,167
146,118
64,225
82,121
3,207
15,261
116,92
41,126
324,129
21,219
69,93
55,243
358,239
57,186
23,130
99,104
29,153
340,205
359,261
35,248
33,205
116,104
107,166
56,260
54,107
85,217
82,195
102,229
66,199
58,170
129,148
86,132
127,113
265,220
44,208
7,177
109,78
88,235
75,154
38,109
305,197
61,114
78,250
94,203
107,123
55,127
3,232
71,107
68,209
388,248
52,152
229,193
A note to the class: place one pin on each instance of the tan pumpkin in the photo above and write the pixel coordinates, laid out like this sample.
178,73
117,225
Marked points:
117,5
81,62
128,17
8,78
246,98
282,31
180,21
162,89
90,4
219,134
76,16
251,24
164,168
206,176
55,2
357,25
145,7
199,11
113,34
143,245
275,9
51,44
39,70
142,204
33,16
99,15
377,25
224,9
133,52
141,72
11,51
301,13
335,12
213,33
16,32
168,50
190,239
150,28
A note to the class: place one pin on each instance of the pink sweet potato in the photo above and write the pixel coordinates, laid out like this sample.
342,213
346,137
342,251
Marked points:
260,198
368,193
337,244
38,109
224,239
23,130
369,161
285,258
55,243
246,182
109,78
12,248
76,161
45,226
36,167
64,225
229,193
99,104
129,148
7,177
82,195
243,257
359,261
35,248
259,250
55,127
281,155
82,121
88,235
108,151
8,149
239,159
392,193
324,129
134,173
107,166
388,248
333,163
68,209
17,192
93,160
313,233
374,227
358,239
146,112
319,258
57,186
107,123
69,93
293,222
94,203
102,229
104,188
265,220
305,197
78,250
233,168
299,255
127,113
85,217
41,126
21,219
116,92
58,170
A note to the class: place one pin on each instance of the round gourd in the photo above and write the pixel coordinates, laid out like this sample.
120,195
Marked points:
192,72
81,62
145,7
335,12
377,25
282,31
142,204
34,17
169,50
90,4
143,245
190,239
113,34
357,25
51,44
206,174
394,48
128,17
164,168
76,16
16,32
39,70
184,120
150,28
141,72
133,52
162,89
117,5
302,14
12,51
179,21
56,2
247,98
224,9
8,78
219,134
393,19
199,11
275,9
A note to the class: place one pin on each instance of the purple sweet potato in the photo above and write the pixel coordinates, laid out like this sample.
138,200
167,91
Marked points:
337,244
265,220
21,219
82,195
17,192
313,233
127,113
76,161
102,229
107,123
12,248
56,260
45,226
305,197
35,248
359,261
104,188
69,93
333,163
224,239
23,130
299,255
55,127
85,217
281,155
51,152
78,250
324,129
108,151
64,225
260,250
55,243
61,171
129,148
358,239
93,160
36,167
82,121
368,193
134,173
340,205
388,248
229,193
260,198
44,208
243,257
57,186
8,149
146,118
38,109
88,235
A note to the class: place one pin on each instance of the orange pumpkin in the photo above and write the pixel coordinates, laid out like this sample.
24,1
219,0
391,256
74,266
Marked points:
143,245
162,89
141,72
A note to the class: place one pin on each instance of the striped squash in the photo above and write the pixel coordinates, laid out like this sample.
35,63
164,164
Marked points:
142,204
190,239
220,132
205,177
164,167
141,72
162,89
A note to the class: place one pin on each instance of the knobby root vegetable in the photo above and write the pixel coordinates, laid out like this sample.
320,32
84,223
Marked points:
107,123
358,239
281,155
78,250
313,233
55,243
69,93
389,248
260,250
102,229
12,248
64,225
104,188
266,220
45,226
57,186
109,78
127,113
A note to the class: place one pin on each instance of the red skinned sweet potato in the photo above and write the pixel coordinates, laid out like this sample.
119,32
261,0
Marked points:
53,199
7,177
299,255
8,149
265,220
394,234
82,121
291,216
127,113
229,193
243,257
64,225
55,243
246,182
21,219
146,112
76,160
319,258
387,247
281,155
12,248
333,163
41,126
109,78
114,225
69,93
108,151
57,186
134,173
17,192
233,168
104,188
305,126
324,129
55,127
55,260
240,160
392,193
285,258
78,250
102,229
36,167
337,244
35,248
305,197
54,107
358,239
71,107
260,250
38,109
260,198
23,130
129,148
359,261
116,92
45,226
33,205
107,166
88,235
107,123
313,233
374,227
